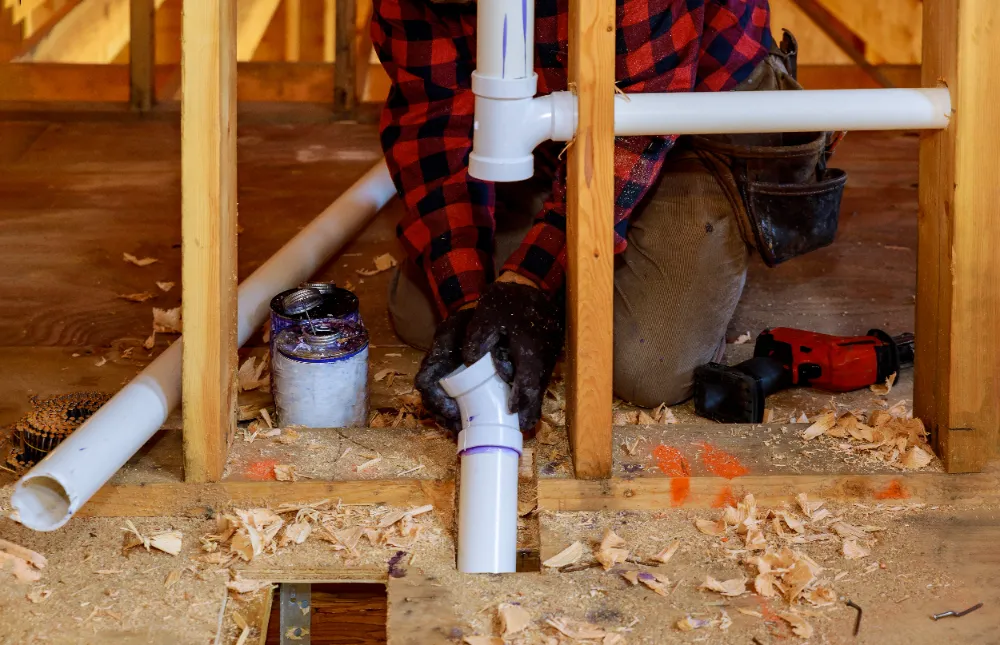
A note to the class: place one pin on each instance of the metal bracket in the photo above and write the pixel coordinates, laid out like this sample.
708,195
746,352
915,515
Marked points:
296,613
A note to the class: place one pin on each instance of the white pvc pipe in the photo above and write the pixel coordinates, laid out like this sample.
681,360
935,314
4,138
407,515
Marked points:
777,111
505,39
59,485
489,447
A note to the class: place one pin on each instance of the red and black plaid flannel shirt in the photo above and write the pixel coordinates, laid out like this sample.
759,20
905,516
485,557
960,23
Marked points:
428,51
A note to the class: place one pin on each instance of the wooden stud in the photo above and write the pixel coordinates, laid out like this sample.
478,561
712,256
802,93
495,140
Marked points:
957,378
362,48
208,231
142,54
589,226
345,91
293,30
329,30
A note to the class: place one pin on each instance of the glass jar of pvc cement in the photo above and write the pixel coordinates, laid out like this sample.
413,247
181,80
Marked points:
319,373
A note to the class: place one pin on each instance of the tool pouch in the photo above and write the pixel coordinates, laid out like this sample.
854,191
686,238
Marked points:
786,198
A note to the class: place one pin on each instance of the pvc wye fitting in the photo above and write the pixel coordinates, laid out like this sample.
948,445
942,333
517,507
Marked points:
489,447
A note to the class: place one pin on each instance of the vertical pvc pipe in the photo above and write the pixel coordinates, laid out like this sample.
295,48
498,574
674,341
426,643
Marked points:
489,447
59,485
505,33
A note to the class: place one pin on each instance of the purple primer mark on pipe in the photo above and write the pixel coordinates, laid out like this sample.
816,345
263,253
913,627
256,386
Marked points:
503,65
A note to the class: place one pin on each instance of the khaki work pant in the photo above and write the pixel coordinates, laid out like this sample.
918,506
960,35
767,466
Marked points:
676,285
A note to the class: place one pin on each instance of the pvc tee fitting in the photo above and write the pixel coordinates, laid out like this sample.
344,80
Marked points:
489,447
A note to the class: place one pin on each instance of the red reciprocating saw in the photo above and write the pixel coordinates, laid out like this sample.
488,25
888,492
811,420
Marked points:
786,358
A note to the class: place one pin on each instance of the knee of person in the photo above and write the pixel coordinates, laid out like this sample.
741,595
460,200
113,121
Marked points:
647,375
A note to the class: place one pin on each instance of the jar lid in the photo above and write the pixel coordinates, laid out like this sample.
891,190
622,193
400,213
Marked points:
322,341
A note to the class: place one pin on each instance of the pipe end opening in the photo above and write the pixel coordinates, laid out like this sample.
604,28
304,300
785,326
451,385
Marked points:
42,502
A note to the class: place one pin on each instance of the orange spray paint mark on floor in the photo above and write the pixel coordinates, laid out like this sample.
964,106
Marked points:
894,490
724,498
672,463
720,463
261,470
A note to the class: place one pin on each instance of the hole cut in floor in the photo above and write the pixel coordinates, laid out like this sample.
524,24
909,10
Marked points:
342,614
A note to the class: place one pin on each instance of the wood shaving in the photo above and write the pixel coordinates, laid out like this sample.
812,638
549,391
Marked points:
820,596
167,321
296,533
768,416
749,612
610,553
630,446
644,418
387,375
754,540
883,389
802,418
39,595
285,473
725,622
144,262
668,552
142,296
808,507
244,635
853,551
665,415
799,625
482,640
167,541
631,576
101,362
915,458
250,375
34,558
576,629
655,581
845,530
20,567
150,341
513,618
710,528
743,339
370,462
733,587
241,585
288,435
569,555
382,263
825,421
172,578
688,624
165,286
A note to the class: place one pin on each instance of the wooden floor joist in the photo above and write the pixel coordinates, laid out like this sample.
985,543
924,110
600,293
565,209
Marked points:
142,54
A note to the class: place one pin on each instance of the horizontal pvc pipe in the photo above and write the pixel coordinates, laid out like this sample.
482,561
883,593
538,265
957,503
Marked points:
489,447
777,111
59,485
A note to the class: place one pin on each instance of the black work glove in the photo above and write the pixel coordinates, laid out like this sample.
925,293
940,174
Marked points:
444,357
523,330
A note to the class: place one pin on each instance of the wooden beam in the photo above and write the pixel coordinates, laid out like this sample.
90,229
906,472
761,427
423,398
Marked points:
842,35
92,31
589,225
252,19
329,30
293,30
345,89
957,378
657,494
311,30
208,232
142,55
362,48
200,500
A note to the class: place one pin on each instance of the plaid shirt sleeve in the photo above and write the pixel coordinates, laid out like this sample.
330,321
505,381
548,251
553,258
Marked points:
428,52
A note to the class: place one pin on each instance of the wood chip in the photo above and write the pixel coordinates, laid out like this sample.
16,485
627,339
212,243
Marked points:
165,286
172,578
391,518
754,540
149,342
244,635
39,595
710,528
808,506
297,532
167,541
513,618
387,375
668,552
663,414
825,421
382,263
846,531
743,339
167,321
610,553
749,612
285,473
288,435
853,551
576,629
240,585
799,625
142,296
32,557
250,375
764,584
20,567
655,581
569,555
733,587
768,416
820,596
645,419
915,458
631,576
144,262
725,622
883,389
482,640
688,624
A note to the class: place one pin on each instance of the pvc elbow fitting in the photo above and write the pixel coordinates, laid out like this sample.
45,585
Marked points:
489,447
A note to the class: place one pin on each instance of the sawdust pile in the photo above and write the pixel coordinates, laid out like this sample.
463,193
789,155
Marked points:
409,414
246,535
891,436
